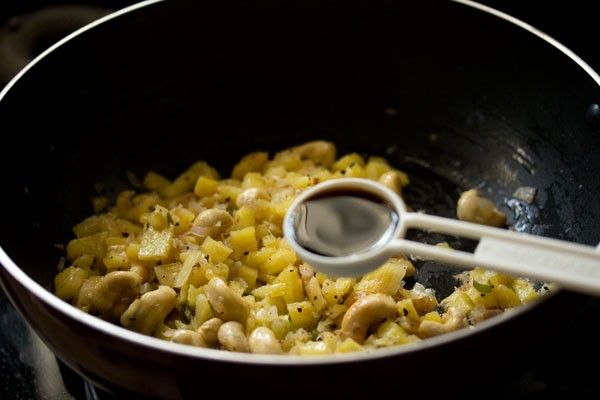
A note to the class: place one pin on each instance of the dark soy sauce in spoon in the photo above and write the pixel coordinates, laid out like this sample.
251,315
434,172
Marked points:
342,222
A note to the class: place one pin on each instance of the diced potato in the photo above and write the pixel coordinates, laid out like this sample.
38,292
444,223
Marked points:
507,298
155,245
94,245
525,290
251,162
187,180
116,258
314,294
166,273
245,217
347,161
68,282
302,315
203,311
294,289
206,186
486,300
217,251
248,275
243,240
270,290
278,261
407,309
348,346
459,300
183,220
156,182
386,279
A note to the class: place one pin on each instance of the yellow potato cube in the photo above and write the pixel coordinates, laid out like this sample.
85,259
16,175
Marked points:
116,258
155,245
277,261
187,180
229,192
205,186
203,310
183,220
258,257
166,273
348,160
376,166
254,180
407,309
525,290
245,217
248,275
94,245
156,182
486,300
252,162
302,315
507,298
270,290
432,316
348,346
68,282
217,251
243,240
459,300
294,290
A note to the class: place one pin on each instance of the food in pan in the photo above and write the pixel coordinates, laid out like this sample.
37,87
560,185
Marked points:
201,260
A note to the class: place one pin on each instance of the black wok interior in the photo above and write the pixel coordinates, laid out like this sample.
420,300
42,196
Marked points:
481,104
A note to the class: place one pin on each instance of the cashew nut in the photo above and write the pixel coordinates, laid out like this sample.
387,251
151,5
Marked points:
227,304
251,196
393,180
146,313
262,340
214,221
186,336
472,207
115,291
365,312
231,335
319,151
208,330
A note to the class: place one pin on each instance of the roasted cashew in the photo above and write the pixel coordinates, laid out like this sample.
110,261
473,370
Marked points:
392,180
365,312
186,336
146,313
215,221
115,291
262,340
227,304
209,329
250,197
231,335
452,320
472,207
319,151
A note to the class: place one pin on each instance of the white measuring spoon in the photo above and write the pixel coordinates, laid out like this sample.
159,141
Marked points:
570,265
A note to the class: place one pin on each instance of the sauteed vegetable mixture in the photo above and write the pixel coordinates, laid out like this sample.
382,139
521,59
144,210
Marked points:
201,260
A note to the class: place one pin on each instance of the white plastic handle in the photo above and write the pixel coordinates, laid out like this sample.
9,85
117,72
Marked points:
570,265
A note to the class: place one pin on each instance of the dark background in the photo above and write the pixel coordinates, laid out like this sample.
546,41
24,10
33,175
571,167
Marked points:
29,371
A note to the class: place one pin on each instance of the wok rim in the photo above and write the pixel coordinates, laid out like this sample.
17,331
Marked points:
181,350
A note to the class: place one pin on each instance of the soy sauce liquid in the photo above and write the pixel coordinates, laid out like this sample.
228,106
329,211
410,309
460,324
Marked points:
344,222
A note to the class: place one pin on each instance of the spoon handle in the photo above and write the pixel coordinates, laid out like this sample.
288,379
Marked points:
570,265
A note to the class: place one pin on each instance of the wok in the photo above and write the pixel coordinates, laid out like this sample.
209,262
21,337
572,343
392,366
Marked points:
456,96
